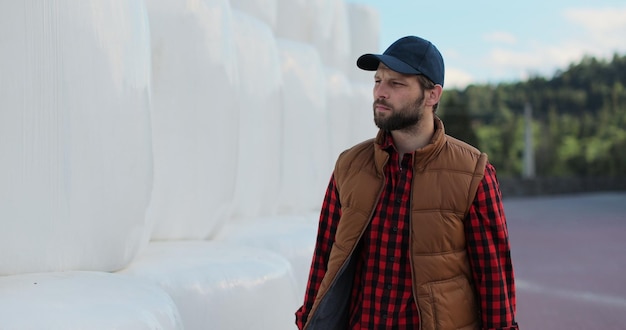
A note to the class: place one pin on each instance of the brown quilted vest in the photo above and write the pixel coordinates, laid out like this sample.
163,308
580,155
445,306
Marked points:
446,176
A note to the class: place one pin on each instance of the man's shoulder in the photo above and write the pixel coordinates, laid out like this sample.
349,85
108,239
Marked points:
364,145
460,145
463,156
359,151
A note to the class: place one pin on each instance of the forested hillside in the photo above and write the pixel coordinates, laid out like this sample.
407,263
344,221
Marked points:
579,120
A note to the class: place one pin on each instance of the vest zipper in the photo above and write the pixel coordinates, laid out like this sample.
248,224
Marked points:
413,286
350,255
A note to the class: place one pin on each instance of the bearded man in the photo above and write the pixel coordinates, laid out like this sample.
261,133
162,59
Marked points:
412,231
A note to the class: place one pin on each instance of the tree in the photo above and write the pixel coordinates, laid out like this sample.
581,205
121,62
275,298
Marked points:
579,117
458,124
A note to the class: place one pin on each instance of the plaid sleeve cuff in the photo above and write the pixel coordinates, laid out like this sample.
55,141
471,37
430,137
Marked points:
512,327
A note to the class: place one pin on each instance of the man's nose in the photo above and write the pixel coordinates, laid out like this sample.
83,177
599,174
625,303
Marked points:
380,91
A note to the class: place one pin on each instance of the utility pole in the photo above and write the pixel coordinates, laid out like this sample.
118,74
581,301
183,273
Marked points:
529,152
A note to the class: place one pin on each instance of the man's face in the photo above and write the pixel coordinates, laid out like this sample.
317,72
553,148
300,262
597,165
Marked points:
398,100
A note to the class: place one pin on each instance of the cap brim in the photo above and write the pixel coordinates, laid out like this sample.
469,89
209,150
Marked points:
369,62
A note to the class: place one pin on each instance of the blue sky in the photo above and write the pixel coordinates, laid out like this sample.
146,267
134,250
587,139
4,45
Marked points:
495,41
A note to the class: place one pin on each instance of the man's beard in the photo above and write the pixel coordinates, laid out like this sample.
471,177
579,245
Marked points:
400,119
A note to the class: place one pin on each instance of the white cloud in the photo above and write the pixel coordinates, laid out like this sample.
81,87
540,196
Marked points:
534,60
500,37
596,32
456,78
603,29
510,58
598,19
451,54
564,54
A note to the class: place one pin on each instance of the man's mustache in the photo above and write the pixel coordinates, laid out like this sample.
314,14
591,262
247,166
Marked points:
382,102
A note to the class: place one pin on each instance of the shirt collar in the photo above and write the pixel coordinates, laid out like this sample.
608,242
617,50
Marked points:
386,140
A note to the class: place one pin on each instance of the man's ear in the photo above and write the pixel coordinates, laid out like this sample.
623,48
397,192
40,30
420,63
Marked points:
433,95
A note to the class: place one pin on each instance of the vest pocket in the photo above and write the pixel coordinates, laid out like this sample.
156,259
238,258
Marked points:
448,305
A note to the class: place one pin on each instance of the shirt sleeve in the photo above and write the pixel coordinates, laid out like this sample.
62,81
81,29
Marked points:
490,255
329,218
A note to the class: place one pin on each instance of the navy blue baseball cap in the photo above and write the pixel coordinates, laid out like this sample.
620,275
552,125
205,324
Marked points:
408,55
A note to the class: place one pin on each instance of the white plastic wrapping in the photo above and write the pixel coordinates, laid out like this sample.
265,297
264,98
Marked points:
364,38
306,161
260,122
340,104
195,117
293,20
84,300
75,145
363,126
292,237
331,33
221,286
320,23
264,10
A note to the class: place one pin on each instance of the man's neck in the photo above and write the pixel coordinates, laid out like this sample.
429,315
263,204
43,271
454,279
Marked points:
413,138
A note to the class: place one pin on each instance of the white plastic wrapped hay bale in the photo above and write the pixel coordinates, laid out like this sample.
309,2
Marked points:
340,104
75,144
221,286
306,161
195,117
264,10
290,236
362,114
260,122
364,24
84,300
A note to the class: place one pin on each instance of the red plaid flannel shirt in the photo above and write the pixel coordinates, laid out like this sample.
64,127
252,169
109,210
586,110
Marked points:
382,296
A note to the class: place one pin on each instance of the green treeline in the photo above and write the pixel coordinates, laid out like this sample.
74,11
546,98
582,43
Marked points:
578,120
